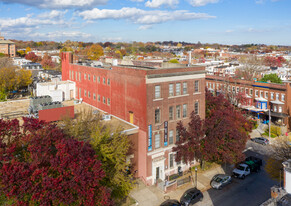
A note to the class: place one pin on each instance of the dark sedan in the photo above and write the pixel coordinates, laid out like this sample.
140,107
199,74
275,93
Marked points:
171,203
191,196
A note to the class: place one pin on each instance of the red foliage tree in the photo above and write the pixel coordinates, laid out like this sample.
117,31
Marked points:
226,131
41,165
32,57
47,62
221,137
274,61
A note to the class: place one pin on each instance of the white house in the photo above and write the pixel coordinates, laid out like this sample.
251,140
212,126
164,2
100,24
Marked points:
58,90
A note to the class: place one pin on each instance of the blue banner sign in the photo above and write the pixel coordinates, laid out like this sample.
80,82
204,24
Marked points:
166,133
150,138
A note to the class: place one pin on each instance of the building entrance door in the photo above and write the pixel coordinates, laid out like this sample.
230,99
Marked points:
157,173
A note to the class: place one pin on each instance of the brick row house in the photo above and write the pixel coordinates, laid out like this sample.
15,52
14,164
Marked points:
260,97
154,99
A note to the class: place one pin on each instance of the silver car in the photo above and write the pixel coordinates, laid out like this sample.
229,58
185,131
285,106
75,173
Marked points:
220,180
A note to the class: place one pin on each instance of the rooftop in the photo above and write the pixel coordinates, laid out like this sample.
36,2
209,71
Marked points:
6,42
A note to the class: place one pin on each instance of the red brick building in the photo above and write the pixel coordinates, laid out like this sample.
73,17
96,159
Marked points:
154,99
261,96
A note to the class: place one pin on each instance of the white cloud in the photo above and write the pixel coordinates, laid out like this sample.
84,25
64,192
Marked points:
202,2
59,4
159,3
137,0
140,16
54,14
145,27
27,21
112,39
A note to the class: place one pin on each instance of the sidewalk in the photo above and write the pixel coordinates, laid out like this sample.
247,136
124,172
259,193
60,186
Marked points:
152,196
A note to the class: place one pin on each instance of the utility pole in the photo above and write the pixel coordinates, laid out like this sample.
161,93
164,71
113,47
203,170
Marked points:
270,122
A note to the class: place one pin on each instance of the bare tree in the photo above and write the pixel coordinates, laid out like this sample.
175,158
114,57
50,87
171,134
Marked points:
251,67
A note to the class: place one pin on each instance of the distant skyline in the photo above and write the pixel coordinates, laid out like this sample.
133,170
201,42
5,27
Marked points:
207,21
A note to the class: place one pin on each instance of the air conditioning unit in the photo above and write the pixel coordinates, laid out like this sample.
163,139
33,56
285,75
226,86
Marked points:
106,117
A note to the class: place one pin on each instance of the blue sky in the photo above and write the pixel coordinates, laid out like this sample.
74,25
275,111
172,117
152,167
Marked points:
207,21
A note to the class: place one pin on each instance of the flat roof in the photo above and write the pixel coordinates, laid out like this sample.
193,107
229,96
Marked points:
6,42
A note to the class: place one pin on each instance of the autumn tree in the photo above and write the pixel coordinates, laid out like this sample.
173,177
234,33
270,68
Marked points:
111,147
226,131
32,57
40,165
220,138
28,49
281,151
274,61
251,67
47,62
95,51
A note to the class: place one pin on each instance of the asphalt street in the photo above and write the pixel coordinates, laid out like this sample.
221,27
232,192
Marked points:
252,191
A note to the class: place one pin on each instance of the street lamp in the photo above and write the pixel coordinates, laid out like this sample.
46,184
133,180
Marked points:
196,177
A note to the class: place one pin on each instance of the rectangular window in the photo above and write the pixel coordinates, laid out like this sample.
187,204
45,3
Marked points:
185,88
266,95
94,96
99,98
171,90
171,164
262,94
251,92
171,113
283,97
94,78
104,100
184,110
85,93
272,95
89,94
275,108
277,96
237,89
157,116
233,89
157,91
108,81
99,79
178,111
89,77
196,107
247,91
79,76
104,80
108,101
80,94
70,74
171,137
256,93
85,76
178,88
76,75
177,135
157,141
280,109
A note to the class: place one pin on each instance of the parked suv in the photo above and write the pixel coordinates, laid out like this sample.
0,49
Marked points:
260,140
191,196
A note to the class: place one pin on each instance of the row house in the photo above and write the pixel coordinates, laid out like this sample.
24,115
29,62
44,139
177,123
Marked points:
259,97
153,98
7,47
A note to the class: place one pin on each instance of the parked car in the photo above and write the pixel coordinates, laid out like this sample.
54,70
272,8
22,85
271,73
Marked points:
219,181
260,140
191,196
171,203
250,165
